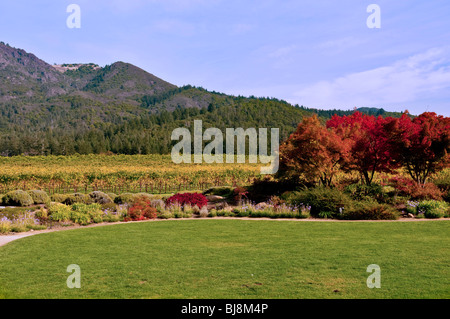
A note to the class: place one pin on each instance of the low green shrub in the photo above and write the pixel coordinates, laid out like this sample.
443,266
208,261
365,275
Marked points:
369,211
15,212
17,198
323,201
5,225
124,198
165,215
59,212
77,198
80,218
432,208
18,228
58,198
225,191
21,223
212,213
41,214
86,208
39,197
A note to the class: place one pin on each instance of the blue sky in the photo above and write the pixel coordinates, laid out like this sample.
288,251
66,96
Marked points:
316,53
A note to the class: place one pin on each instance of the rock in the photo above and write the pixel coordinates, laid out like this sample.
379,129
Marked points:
214,198
410,215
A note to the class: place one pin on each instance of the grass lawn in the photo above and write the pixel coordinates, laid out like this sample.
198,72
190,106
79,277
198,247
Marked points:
232,259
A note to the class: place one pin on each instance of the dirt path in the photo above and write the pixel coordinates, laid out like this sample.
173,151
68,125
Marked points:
5,239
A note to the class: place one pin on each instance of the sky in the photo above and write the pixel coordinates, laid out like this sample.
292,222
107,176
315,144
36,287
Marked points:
316,53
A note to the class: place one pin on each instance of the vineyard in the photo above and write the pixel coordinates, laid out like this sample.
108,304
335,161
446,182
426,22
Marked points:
117,173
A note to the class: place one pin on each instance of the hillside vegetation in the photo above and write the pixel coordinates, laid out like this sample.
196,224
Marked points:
118,108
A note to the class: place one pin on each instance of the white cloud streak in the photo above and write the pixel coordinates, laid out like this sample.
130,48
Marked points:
417,77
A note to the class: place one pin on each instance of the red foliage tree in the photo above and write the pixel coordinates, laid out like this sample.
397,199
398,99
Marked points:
312,152
370,147
422,144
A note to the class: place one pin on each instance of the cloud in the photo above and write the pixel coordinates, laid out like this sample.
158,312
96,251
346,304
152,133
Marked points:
339,45
421,76
283,51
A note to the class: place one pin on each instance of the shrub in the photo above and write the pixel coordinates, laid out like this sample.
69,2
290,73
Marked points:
165,215
204,212
369,211
188,198
174,208
58,198
100,197
190,210
39,197
442,180
85,208
111,207
77,198
41,215
80,218
410,188
17,198
18,228
124,198
59,212
112,196
157,203
432,208
224,191
84,214
361,192
141,209
322,201
263,188
447,196
411,207
5,225
212,213
113,213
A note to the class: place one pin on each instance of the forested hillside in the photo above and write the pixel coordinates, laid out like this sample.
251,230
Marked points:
118,108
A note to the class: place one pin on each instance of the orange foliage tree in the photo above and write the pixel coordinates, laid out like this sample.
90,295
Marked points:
313,153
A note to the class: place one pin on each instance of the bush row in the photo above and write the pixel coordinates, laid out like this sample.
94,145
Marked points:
361,202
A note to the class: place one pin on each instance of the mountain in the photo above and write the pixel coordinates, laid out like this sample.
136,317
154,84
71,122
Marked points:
83,108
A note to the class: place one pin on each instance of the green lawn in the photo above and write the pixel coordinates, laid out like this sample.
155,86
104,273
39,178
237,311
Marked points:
232,259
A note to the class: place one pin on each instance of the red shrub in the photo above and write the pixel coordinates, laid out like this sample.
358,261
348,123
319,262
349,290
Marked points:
188,198
410,188
141,209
